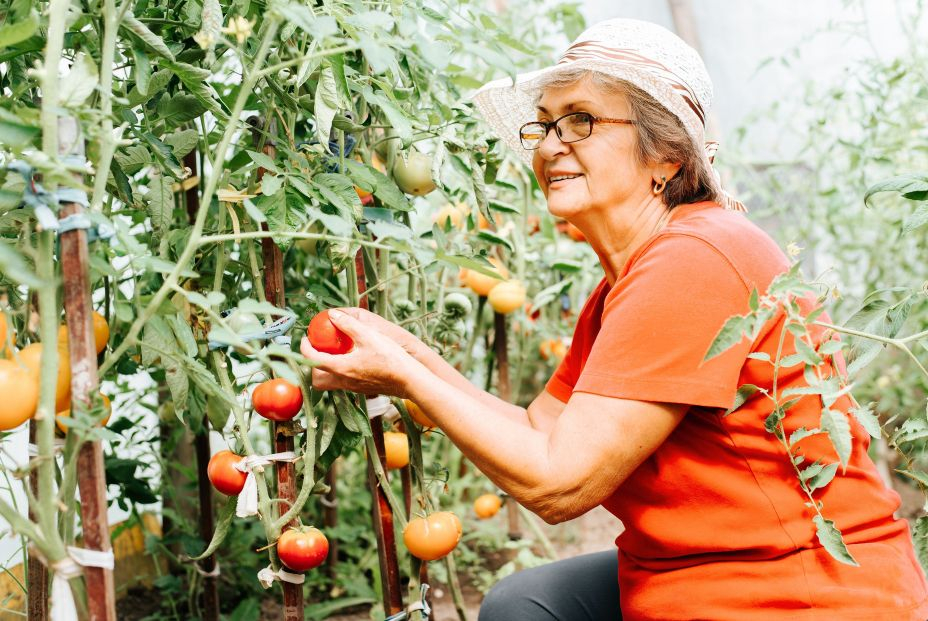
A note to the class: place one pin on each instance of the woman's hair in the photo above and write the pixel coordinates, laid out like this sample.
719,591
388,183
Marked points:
661,136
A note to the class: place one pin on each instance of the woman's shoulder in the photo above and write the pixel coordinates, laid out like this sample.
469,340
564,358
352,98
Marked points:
706,229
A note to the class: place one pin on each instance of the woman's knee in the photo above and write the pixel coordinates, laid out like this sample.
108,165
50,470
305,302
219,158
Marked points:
513,599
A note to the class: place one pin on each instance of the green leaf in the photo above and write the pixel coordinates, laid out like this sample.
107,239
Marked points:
745,392
912,187
133,158
179,109
920,538
16,32
837,426
916,475
867,419
730,335
916,219
14,132
325,105
164,153
338,191
318,26
386,230
395,116
195,79
79,83
831,539
493,238
157,338
801,433
223,524
150,39
14,267
821,478
161,203
182,142
248,305
178,384
142,70
808,355
158,82
183,334
263,161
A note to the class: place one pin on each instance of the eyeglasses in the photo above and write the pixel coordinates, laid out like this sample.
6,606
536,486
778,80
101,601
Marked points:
571,127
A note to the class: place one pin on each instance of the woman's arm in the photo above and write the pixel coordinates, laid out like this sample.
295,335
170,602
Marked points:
574,461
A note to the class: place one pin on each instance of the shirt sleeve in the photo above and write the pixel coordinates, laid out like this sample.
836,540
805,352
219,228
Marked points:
658,323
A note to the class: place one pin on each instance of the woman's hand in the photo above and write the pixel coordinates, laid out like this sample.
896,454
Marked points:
378,364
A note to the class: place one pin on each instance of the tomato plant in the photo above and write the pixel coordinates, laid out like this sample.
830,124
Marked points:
63,418
301,549
277,399
325,337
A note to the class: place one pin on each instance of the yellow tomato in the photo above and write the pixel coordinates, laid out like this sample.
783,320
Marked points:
507,297
396,448
416,413
432,537
30,357
481,284
487,506
20,392
64,416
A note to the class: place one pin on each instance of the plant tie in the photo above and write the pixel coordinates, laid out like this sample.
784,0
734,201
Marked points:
276,331
71,566
267,576
422,605
247,503
381,406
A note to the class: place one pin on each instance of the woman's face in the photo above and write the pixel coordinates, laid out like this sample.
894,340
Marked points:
604,167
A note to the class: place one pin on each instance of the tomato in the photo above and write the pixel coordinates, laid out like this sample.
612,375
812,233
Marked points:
325,337
432,537
487,506
452,213
30,357
556,348
414,176
416,413
223,475
396,447
481,284
303,548
20,390
507,297
277,399
101,331
64,416
574,233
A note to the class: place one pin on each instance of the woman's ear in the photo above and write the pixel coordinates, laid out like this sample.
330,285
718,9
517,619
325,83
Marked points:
666,170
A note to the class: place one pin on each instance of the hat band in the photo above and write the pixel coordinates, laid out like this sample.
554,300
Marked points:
589,50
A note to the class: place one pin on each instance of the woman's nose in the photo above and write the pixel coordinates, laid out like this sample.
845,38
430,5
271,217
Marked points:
551,145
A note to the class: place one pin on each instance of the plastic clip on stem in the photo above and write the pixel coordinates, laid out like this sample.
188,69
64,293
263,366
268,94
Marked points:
422,605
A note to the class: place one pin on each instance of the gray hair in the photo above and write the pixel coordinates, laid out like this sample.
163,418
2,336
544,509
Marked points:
661,136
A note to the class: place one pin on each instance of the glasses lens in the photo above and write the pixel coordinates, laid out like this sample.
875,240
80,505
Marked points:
574,127
532,135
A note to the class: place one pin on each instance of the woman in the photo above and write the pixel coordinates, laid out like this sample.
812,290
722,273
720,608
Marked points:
716,525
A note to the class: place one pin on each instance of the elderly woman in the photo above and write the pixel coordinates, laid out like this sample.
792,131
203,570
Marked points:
716,524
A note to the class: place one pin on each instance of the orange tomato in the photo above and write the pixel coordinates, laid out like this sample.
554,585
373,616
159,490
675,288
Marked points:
507,297
4,351
20,390
64,416
30,357
481,284
396,447
432,537
416,413
555,348
487,506
101,332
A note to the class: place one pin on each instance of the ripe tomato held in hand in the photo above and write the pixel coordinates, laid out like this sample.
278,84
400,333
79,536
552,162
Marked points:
487,506
396,447
325,337
302,549
277,399
432,537
223,475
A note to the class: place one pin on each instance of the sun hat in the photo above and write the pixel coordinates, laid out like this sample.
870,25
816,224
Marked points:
642,53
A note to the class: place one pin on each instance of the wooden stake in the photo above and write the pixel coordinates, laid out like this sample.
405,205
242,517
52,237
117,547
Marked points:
91,480
382,514
283,442
37,580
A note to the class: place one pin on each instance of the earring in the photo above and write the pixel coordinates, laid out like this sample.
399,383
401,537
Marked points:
659,187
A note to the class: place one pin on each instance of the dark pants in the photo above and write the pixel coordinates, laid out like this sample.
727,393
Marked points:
583,588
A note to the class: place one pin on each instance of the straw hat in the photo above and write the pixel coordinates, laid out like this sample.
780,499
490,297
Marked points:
644,54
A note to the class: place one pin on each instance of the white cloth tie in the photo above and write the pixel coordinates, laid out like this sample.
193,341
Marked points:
62,602
267,576
247,503
381,406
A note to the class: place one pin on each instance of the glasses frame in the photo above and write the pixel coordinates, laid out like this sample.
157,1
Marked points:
593,120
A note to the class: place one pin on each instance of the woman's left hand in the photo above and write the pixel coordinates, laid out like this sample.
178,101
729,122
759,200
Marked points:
376,365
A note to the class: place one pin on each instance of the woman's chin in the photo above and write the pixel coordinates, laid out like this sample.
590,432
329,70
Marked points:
562,208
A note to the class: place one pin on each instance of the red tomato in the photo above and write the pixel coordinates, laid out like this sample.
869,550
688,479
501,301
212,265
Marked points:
223,475
304,549
277,399
325,337
432,537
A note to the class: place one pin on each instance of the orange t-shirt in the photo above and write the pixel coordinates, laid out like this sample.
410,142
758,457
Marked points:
716,523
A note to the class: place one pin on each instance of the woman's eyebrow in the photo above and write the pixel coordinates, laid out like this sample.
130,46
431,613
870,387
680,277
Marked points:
568,107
